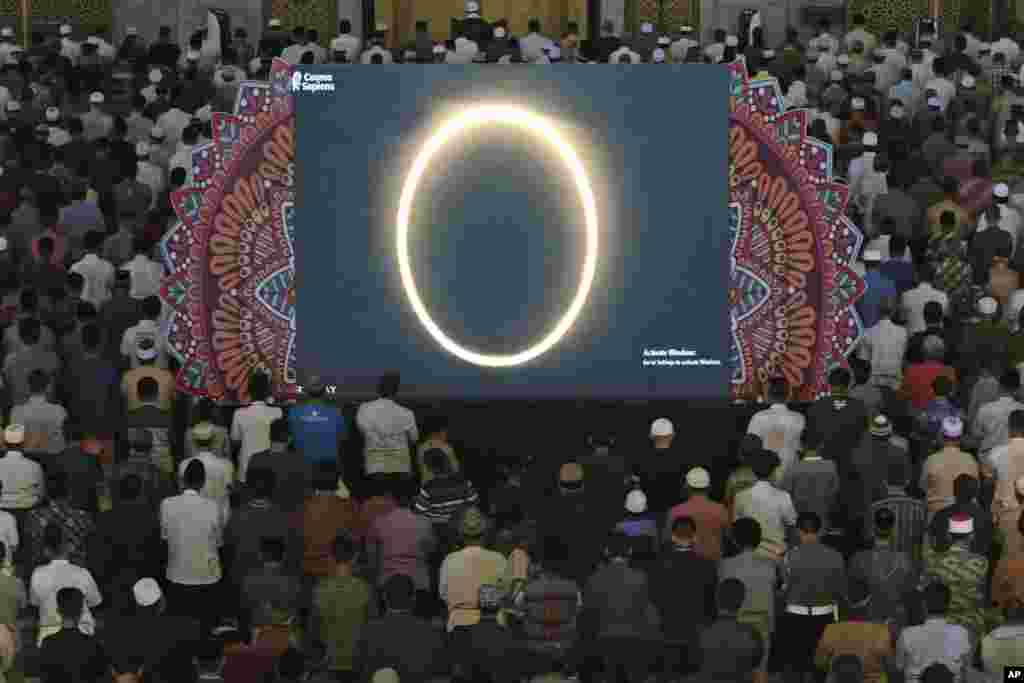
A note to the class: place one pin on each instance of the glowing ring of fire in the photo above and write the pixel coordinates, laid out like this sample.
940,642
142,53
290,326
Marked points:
468,120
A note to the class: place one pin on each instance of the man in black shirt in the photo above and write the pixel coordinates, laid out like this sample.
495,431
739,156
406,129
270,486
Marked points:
69,655
164,51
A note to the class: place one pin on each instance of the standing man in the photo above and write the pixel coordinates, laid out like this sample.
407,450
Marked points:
1005,464
250,426
711,517
814,586
660,469
778,426
389,432
318,427
941,469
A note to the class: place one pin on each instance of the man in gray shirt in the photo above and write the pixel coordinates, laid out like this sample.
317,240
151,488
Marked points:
760,576
813,482
814,585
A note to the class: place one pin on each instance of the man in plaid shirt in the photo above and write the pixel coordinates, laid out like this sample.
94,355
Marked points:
77,525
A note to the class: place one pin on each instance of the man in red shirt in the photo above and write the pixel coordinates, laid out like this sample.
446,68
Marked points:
712,518
918,378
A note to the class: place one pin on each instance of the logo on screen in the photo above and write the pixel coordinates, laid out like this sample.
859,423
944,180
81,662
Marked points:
296,82
1013,673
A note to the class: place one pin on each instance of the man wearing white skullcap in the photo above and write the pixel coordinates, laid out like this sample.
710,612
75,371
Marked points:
659,469
1009,220
97,122
346,43
711,517
942,468
624,56
69,48
681,47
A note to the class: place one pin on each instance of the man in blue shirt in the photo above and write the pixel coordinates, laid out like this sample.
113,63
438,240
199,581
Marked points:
877,289
317,426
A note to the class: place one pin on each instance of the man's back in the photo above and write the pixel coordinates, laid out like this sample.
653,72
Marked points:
417,659
890,575
619,598
731,650
684,606
71,656
841,421
248,525
813,484
166,650
343,605
322,518
292,474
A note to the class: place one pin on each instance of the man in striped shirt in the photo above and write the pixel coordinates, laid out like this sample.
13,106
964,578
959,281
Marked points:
910,513
446,492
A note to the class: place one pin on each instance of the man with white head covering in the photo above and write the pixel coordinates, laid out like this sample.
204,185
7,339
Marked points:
58,135
377,47
681,47
69,48
475,28
941,468
660,469
624,56
149,174
346,43
6,43
715,50
1009,217
97,122
825,41
645,43
1008,47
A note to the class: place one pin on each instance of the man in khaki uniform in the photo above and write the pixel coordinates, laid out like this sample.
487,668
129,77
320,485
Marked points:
941,469
1005,464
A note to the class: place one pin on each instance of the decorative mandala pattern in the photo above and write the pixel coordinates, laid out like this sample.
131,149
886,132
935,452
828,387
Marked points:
321,15
792,290
884,15
231,262
230,258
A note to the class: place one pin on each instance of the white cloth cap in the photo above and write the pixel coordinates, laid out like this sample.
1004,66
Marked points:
686,28
192,55
381,27
388,675
843,59
274,23
732,41
472,7
987,305
968,81
935,102
698,478
658,56
858,103
7,32
961,523
440,49
142,149
554,52
662,427
836,75
14,105
146,592
52,114
952,427
93,40
131,31
896,112
881,426
636,502
768,54
14,435
646,27
500,32
156,76
872,256
870,139
1001,190
65,30
664,40
96,98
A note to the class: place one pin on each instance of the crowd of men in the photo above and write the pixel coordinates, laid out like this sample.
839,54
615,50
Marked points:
874,536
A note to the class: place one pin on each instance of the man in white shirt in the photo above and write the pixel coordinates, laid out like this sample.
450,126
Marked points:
174,121
97,273
21,479
149,174
193,528
779,427
884,346
44,422
345,43
1009,218
533,44
992,423
916,299
220,472
388,430
936,641
146,273
250,426
60,573
148,328
71,49
864,163
770,506
944,89
96,122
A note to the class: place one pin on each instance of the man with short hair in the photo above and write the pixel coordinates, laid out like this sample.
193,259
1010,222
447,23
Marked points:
258,518
345,43
250,426
839,419
884,345
149,327
916,301
44,421
813,482
890,574
192,526
465,570
70,654
270,593
965,491
711,518
135,456
534,43
732,650
778,426
389,430
220,471
771,507
761,575
59,573
317,426
950,560
158,422
77,525
98,273
936,641
147,355
814,585
22,479
992,423
342,605
146,273
18,365
1005,465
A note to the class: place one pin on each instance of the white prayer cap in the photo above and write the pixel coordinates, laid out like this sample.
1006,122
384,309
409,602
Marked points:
934,103
732,41
1001,190
146,592
440,49
646,27
14,106
157,133
686,29
952,427
768,54
192,55
968,81
662,427
142,149
896,111
472,7
843,59
52,114
96,98
870,139
274,23
381,27
65,29
658,56
872,256
553,52
857,103
93,40
131,31
156,76
636,502
6,32
14,435
835,76
664,40
987,306
500,32
698,478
